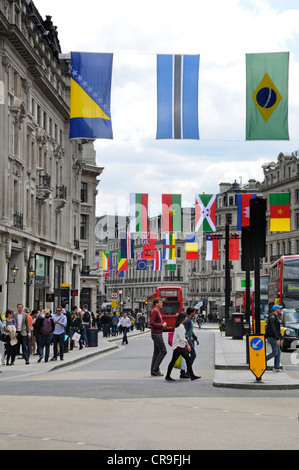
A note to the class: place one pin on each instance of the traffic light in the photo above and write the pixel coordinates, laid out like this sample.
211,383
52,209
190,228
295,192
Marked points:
247,251
258,207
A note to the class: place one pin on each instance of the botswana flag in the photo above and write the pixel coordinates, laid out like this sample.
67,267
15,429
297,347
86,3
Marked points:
177,88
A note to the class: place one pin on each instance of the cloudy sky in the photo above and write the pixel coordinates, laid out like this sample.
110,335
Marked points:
222,32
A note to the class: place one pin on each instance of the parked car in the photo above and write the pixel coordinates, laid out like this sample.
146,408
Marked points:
289,329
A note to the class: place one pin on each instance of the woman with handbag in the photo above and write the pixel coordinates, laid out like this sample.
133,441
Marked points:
180,347
76,326
11,343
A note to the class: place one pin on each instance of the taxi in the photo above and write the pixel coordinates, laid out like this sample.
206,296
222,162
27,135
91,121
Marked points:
289,329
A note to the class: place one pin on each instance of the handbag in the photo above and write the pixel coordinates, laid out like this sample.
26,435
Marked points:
5,338
76,337
170,338
177,364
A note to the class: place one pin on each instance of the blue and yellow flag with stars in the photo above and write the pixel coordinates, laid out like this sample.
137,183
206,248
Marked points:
90,115
267,82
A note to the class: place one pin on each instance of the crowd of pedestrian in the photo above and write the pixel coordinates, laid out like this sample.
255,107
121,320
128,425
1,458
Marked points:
25,333
112,324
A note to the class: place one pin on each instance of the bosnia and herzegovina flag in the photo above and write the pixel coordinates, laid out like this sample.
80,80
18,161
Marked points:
90,115
177,88
267,80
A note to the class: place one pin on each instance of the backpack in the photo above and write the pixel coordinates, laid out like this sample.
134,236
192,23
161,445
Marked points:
47,327
86,317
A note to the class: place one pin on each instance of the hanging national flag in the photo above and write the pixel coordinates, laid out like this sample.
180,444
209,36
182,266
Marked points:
107,262
149,246
212,248
177,89
280,212
126,246
243,210
171,265
191,247
234,248
122,265
171,212
157,261
205,213
169,251
90,115
139,213
141,265
139,255
267,81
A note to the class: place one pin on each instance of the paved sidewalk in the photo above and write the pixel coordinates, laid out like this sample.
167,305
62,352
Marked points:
232,371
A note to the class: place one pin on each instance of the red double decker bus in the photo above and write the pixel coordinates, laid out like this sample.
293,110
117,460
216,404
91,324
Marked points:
283,288
172,298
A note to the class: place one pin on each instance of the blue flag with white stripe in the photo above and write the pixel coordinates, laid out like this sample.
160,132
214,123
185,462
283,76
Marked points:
177,94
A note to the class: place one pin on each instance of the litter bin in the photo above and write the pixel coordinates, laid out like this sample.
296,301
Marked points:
92,337
237,325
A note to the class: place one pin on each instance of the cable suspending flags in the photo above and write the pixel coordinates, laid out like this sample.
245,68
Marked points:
280,212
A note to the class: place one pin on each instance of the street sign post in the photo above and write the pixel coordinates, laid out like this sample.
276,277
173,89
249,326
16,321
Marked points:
257,355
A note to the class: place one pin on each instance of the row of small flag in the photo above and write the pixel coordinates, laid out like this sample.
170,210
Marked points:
205,212
267,79
167,253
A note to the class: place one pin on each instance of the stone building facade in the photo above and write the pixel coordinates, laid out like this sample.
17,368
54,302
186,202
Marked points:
47,182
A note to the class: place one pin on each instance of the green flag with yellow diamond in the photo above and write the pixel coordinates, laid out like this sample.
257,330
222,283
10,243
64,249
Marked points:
267,81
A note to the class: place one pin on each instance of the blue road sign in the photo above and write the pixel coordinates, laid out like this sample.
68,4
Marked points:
257,344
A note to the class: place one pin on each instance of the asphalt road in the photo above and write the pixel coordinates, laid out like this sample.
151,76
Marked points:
111,402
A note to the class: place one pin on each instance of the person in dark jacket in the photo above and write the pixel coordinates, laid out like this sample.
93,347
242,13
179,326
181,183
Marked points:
273,336
157,325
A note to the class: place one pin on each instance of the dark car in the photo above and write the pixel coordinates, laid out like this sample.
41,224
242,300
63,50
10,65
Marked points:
289,329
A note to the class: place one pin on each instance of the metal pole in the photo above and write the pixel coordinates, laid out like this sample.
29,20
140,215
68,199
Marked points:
257,289
227,274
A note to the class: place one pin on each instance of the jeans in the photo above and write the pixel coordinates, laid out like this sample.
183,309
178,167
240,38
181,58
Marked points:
125,332
58,339
84,334
160,352
275,352
44,342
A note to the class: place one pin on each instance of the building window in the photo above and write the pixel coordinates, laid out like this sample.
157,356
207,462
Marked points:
83,227
84,192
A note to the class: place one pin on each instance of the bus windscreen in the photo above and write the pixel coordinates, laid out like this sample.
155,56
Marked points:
170,308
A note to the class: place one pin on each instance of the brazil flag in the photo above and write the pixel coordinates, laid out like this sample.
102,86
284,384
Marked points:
267,80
